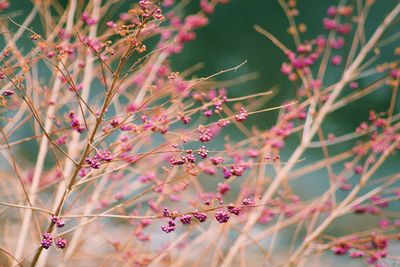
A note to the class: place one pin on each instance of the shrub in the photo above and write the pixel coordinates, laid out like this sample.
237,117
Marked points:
130,162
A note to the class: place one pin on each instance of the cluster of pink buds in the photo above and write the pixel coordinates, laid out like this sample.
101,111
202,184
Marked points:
157,124
185,119
207,112
75,124
234,210
206,135
331,24
61,243
97,46
186,219
378,203
376,120
181,160
169,214
101,156
305,57
190,157
207,6
57,221
337,43
111,24
93,162
236,170
114,122
242,116
104,156
47,240
248,202
221,216
223,123
170,227
341,248
203,152
373,248
62,140
88,19
217,160
202,217
149,9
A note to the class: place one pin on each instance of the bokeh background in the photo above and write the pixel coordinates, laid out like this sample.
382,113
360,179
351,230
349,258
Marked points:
231,39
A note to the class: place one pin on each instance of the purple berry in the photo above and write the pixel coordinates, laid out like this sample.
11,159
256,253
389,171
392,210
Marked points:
221,216
186,219
61,243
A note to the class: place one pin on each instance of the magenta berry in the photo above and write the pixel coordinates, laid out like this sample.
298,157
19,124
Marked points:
341,249
206,135
203,152
242,116
227,173
47,240
221,216
234,210
170,227
166,212
217,160
186,219
61,243
93,162
223,123
190,158
248,202
202,217
53,219
60,223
